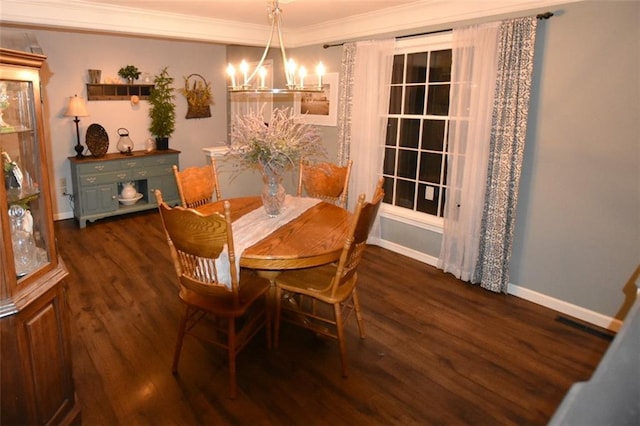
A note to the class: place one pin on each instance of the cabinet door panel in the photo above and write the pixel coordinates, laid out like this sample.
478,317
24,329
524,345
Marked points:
43,336
98,199
166,184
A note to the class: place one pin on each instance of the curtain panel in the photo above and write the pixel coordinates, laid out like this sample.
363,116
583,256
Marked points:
509,128
474,66
491,84
364,91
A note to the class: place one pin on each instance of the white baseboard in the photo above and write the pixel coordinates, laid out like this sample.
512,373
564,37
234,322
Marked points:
563,307
63,216
566,308
414,254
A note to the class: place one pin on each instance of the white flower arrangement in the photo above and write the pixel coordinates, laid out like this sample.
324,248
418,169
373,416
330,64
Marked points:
276,146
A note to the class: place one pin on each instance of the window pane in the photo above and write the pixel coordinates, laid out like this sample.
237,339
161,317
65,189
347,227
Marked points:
407,164
409,132
440,66
430,165
405,191
424,204
388,190
392,131
438,102
417,67
442,203
389,165
433,135
398,69
414,102
395,103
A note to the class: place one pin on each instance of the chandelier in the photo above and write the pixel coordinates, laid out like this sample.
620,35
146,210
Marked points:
295,76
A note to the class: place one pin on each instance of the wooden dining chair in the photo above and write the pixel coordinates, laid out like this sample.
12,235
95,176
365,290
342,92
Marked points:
198,185
325,181
322,298
239,312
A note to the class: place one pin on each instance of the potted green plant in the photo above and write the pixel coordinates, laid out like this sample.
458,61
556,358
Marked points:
163,109
129,73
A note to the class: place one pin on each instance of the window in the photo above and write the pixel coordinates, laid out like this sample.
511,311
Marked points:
415,164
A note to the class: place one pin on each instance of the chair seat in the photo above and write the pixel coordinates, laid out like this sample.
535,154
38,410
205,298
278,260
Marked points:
252,288
315,282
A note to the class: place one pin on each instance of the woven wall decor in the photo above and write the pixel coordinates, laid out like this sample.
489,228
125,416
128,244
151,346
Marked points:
198,93
97,140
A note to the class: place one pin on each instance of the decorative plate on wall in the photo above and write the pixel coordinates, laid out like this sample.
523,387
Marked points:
97,140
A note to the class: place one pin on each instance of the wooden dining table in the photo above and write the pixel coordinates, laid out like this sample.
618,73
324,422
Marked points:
314,238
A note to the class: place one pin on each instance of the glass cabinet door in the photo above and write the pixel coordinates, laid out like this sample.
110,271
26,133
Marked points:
26,216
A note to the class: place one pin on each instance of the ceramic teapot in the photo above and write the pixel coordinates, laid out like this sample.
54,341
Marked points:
128,191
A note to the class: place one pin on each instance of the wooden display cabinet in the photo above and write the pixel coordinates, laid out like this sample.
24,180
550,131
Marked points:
36,377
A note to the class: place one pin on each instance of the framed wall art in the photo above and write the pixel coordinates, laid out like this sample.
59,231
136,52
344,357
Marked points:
320,108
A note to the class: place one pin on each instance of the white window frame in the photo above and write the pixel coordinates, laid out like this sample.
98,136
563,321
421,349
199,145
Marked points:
421,220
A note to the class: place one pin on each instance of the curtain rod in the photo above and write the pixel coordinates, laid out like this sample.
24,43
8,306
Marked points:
545,15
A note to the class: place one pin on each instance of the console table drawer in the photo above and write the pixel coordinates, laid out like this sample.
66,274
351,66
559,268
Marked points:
92,168
152,171
165,160
102,178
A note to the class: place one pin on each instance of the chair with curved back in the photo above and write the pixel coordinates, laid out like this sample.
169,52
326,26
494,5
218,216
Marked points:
325,296
325,181
239,308
197,185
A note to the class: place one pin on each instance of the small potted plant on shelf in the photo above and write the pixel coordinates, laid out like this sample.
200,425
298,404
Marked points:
129,73
163,109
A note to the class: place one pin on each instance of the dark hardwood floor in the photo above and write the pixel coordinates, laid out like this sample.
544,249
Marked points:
438,351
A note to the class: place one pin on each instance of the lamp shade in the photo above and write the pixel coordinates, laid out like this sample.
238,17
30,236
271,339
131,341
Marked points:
76,107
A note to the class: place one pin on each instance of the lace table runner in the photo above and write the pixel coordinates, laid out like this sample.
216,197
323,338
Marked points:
256,225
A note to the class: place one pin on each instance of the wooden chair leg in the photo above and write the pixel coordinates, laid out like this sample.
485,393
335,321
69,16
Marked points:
278,311
356,307
180,339
337,311
232,357
268,320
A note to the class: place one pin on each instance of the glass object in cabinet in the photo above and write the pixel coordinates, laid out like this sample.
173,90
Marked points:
20,154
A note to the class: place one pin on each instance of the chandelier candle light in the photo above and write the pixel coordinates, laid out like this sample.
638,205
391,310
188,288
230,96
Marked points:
291,70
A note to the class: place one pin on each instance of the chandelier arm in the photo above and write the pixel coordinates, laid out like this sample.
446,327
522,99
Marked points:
264,54
282,51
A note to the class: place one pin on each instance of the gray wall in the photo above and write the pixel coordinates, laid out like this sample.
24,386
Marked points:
578,229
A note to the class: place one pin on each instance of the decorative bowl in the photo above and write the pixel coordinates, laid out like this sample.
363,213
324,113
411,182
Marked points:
130,201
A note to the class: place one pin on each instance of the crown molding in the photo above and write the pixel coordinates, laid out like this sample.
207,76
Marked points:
105,18
413,17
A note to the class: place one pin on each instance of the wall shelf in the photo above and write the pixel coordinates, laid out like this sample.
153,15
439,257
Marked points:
117,92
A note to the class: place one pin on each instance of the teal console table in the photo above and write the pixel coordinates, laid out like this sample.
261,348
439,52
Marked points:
98,181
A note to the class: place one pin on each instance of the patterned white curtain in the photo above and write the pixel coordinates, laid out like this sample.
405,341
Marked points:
510,112
364,102
491,82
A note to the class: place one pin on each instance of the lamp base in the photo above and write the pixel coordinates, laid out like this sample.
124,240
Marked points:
79,149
